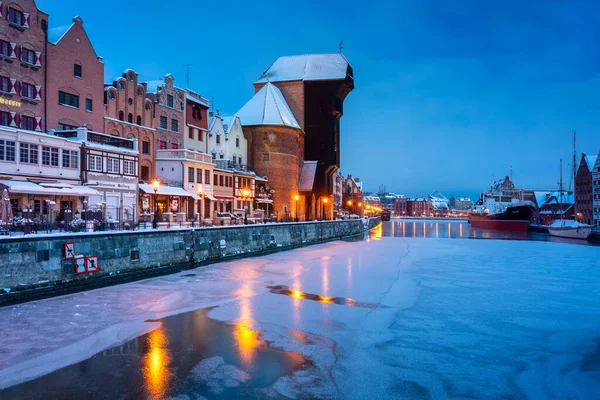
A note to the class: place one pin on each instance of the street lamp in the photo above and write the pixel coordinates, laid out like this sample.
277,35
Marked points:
296,197
325,200
155,185
246,196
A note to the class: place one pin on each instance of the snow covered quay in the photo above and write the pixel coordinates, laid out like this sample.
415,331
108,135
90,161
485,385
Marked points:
43,265
380,318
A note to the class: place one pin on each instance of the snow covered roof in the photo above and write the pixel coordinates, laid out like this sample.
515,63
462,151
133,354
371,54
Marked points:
306,67
56,34
307,176
267,107
227,123
48,188
204,102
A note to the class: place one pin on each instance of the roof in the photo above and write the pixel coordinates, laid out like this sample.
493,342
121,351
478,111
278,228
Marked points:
204,102
227,123
306,67
166,190
267,107
48,188
57,33
307,176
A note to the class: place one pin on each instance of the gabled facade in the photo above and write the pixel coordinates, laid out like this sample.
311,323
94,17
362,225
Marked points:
75,81
128,113
23,30
196,122
168,112
596,192
583,190
226,141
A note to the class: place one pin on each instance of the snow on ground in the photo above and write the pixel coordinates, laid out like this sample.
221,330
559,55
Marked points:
463,318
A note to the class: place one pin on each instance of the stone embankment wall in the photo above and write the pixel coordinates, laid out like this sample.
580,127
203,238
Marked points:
39,261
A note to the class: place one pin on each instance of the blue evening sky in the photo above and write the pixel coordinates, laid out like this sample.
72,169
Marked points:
448,94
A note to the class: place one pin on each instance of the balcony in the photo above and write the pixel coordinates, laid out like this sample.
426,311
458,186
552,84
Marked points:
230,165
184,154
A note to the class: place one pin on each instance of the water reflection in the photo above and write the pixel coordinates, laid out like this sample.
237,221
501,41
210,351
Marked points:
156,364
342,301
247,339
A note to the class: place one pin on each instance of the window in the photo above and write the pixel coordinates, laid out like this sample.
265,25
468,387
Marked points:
220,180
163,122
16,16
265,136
170,100
112,165
28,123
70,159
50,156
145,147
77,70
129,167
173,146
266,157
28,90
7,150
190,175
197,113
198,175
95,163
207,176
145,174
218,139
130,118
28,153
237,142
111,95
67,99
240,160
28,56
162,145
138,120
5,84
120,85
200,135
121,116
66,127
140,92
174,125
4,118
191,133
5,48
88,105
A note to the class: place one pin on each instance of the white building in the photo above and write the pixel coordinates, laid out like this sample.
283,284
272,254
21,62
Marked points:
596,192
226,141
41,173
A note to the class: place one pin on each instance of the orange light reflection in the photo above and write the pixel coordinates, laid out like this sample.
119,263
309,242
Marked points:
155,365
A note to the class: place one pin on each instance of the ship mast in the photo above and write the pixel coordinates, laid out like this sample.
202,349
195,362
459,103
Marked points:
560,186
574,174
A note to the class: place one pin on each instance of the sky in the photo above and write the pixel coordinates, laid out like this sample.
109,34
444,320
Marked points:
448,95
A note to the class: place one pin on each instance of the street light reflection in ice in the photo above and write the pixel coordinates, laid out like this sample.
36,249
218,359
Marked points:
156,365
247,339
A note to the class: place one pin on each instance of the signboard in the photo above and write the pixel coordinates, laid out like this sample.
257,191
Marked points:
69,250
10,102
91,264
80,265
145,203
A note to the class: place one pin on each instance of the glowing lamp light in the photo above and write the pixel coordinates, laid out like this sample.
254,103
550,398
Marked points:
325,200
246,192
296,197
349,202
155,184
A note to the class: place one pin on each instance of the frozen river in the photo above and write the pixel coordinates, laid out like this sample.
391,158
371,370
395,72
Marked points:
383,317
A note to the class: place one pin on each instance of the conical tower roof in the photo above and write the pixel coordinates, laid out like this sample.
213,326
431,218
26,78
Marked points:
267,107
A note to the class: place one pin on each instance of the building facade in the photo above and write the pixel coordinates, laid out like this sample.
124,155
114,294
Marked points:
226,141
128,113
584,198
23,36
460,203
400,206
596,192
353,196
196,122
168,112
75,90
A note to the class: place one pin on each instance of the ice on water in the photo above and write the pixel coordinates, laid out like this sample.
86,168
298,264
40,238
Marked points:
464,319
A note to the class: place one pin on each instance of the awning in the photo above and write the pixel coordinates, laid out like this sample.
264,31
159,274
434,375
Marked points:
224,197
166,191
48,188
211,197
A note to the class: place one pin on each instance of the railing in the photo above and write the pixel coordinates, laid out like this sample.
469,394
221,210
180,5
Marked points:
230,165
184,154
110,140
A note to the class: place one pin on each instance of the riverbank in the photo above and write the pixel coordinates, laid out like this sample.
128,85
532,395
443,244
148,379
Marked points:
42,266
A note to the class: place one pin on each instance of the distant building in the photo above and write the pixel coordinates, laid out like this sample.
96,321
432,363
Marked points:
557,206
400,206
596,192
439,201
583,189
460,203
353,198
169,106
419,207
226,141
195,131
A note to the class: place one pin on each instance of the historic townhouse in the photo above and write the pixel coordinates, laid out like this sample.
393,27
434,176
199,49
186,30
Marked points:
23,63
226,141
583,189
196,122
75,81
596,191
168,112
128,114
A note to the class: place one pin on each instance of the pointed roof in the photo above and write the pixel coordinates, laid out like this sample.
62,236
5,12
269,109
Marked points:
267,107
307,67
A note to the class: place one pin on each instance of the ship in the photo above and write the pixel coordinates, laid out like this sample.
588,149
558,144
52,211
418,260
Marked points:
502,208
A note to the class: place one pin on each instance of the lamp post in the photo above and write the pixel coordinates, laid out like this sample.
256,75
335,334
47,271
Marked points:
246,196
360,209
296,197
324,215
349,203
155,185
27,210
7,204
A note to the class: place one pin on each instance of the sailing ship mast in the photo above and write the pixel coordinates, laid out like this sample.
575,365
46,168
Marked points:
574,173
560,188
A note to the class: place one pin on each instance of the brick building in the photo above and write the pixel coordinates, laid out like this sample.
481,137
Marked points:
23,38
583,190
168,112
314,87
353,196
596,192
400,206
418,207
460,203
275,146
196,122
75,81
128,114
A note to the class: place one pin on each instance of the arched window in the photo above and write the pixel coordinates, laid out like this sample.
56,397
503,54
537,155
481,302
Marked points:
139,120
121,115
130,118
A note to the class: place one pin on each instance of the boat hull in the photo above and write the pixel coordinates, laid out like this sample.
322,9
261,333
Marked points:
581,233
500,224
